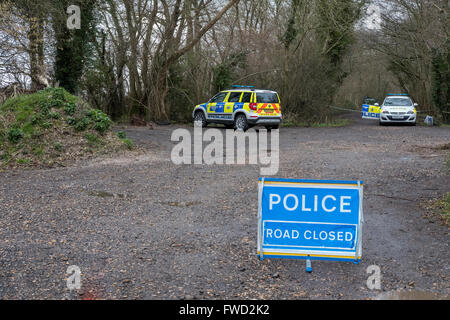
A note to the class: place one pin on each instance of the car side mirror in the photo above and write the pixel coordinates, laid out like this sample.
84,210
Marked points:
377,104
416,105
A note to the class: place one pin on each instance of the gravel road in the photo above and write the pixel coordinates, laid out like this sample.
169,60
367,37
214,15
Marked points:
143,228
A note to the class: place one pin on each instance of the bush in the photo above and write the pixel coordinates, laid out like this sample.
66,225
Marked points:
82,124
15,135
46,125
92,139
101,120
54,115
122,135
129,143
71,121
58,93
36,118
70,108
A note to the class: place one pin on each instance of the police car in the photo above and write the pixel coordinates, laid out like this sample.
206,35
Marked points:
398,108
241,108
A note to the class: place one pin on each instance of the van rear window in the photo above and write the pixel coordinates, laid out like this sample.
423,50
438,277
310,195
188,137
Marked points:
267,97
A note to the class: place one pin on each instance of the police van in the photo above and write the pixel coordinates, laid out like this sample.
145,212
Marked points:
241,108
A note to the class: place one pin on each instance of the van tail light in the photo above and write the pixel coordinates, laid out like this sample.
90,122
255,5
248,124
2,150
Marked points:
253,106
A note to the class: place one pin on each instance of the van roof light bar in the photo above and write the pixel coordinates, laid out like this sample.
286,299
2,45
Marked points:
242,87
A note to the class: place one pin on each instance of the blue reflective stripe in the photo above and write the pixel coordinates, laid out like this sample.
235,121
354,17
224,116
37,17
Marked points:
238,106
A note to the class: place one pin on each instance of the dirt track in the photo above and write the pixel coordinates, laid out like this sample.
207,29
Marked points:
143,228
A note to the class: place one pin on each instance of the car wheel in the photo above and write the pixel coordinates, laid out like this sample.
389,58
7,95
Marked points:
381,123
240,123
200,119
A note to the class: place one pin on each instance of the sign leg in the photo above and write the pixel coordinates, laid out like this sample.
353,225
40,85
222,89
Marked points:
308,266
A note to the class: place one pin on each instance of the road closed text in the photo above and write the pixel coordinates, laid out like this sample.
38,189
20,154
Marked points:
308,234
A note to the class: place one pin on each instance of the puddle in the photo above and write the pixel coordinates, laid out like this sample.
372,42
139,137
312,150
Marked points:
411,295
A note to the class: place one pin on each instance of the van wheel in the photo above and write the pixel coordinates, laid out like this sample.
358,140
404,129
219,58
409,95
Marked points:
200,119
240,123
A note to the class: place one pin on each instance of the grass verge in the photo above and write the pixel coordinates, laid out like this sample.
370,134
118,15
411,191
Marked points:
336,123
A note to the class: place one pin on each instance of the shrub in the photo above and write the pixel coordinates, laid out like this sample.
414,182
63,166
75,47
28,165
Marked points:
82,124
46,125
54,115
101,120
92,139
15,135
36,118
129,143
56,103
44,107
71,121
58,93
70,108
122,135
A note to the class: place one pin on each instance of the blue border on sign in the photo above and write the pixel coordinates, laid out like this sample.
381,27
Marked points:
356,183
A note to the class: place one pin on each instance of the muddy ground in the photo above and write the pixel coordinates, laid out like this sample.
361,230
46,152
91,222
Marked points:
143,228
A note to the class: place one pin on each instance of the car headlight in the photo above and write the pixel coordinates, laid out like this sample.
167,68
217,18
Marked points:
410,112
385,112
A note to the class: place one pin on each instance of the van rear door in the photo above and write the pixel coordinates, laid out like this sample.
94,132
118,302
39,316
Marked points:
268,104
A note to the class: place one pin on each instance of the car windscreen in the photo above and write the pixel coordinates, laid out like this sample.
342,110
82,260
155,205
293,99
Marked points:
398,102
267,97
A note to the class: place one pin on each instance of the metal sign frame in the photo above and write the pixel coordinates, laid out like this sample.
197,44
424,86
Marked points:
304,253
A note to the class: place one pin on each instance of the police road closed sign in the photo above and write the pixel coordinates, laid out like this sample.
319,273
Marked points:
310,219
